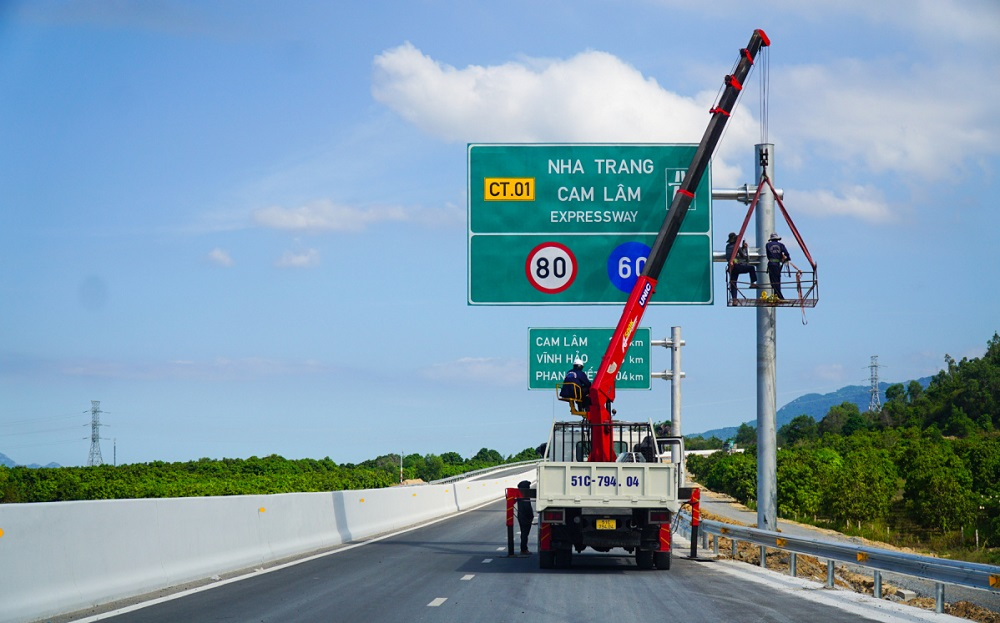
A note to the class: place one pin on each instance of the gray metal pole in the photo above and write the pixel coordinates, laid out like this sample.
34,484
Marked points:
674,375
675,392
767,485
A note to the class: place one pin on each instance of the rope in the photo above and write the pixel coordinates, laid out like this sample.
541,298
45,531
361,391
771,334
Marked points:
788,219
798,288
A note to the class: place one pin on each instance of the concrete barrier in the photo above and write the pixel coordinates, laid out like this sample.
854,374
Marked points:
66,556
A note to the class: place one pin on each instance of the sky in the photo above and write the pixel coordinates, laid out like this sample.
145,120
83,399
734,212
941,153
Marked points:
242,226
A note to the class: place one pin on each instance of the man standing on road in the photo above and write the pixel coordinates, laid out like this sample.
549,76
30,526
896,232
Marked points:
525,514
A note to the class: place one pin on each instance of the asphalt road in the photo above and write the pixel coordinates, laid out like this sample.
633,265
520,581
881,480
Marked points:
457,570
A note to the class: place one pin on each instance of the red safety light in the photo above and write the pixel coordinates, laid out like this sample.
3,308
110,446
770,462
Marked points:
554,516
659,516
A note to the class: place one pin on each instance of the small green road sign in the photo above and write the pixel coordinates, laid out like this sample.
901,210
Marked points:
551,353
573,224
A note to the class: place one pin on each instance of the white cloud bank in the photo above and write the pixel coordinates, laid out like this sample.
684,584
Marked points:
483,371
299,259
220,257
326,216
915,122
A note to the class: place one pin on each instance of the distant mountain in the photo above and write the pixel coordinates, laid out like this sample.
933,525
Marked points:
6,461
815,405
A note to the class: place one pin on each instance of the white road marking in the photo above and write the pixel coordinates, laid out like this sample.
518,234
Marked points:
469,576
437,602
500,549
487,561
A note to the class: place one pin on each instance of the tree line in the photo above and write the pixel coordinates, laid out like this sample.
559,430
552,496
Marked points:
252,476
928,461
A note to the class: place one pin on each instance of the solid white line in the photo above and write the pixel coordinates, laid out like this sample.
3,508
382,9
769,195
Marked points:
256,572
437,602
469,576
856,603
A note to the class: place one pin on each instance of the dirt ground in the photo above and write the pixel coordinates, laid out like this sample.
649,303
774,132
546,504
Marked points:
811,568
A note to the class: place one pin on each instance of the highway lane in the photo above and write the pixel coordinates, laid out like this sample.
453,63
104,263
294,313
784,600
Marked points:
457,570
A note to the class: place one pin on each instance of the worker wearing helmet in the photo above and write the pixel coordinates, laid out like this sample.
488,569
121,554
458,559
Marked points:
739,264
577,378
777,255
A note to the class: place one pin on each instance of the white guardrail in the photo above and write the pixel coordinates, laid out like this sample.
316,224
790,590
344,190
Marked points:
941,571
61,557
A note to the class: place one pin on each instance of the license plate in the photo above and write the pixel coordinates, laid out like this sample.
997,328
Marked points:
606,524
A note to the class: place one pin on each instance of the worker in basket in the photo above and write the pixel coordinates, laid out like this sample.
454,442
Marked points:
777,257
576,385
739,265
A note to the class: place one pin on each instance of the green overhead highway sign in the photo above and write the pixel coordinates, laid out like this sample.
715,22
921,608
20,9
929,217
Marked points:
551,353
573,224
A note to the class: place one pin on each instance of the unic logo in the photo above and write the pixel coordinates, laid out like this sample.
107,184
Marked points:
645,294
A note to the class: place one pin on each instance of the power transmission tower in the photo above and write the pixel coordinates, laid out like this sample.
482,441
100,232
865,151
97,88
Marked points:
874,404
95,434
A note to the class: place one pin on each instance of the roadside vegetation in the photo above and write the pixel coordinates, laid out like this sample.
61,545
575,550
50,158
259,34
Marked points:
270,474
924,472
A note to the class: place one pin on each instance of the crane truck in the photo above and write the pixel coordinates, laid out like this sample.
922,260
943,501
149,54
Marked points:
601,484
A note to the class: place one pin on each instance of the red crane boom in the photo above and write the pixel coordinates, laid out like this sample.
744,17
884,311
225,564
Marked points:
602,391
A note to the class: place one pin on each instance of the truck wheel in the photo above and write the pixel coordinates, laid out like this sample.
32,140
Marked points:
662,559
546,560
564,558
644,558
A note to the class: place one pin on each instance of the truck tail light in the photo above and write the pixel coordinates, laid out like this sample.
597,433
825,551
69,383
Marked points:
554,516
656,517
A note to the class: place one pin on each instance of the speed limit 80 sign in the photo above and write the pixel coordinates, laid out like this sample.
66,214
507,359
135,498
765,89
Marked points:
551,267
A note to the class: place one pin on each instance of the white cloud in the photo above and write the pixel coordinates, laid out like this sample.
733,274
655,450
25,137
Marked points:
967,21
480,370
218,369
326,216
300,259
544,100
829,372
918,122
220,257
862,202
865,116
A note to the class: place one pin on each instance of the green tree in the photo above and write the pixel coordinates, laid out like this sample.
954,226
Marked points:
837,417
735,474
864,486
938,488
452,458
433,468
746,435
487,456
800,428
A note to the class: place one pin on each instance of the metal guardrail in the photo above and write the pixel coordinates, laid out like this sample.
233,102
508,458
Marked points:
939,570
481,472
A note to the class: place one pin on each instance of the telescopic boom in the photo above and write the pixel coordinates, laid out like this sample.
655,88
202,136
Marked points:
602,391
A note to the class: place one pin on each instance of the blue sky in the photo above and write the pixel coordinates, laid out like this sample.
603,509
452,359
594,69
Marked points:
241,226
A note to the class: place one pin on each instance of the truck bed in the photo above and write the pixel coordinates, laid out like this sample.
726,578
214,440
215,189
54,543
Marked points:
607,485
